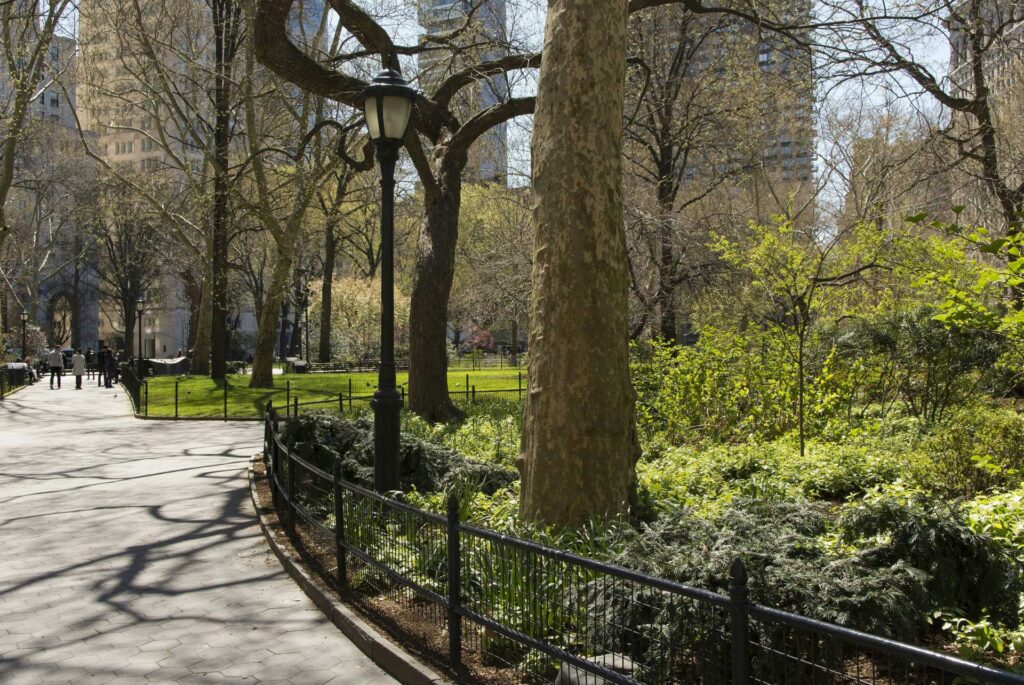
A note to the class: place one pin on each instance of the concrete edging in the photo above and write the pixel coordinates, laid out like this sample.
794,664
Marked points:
401,665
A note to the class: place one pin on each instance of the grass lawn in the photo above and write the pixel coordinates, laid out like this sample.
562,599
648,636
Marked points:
199,396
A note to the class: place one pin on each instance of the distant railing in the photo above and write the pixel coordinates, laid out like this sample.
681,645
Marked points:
12,379
138,390
502,601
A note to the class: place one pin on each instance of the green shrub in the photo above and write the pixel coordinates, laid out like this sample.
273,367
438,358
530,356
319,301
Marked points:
322,438
929,366
703,478
489,433
977,450
967,571
724,388
790,567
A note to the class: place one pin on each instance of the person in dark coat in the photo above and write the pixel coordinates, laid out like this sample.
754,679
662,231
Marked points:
109,367
101,368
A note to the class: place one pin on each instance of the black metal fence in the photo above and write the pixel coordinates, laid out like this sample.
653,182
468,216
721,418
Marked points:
485,601
232,398
12,379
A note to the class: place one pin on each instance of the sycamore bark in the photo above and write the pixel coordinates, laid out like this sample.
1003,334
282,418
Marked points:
579,437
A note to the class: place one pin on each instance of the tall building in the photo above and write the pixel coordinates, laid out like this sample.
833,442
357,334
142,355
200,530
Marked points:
56,271
488,158
138,133
1002,25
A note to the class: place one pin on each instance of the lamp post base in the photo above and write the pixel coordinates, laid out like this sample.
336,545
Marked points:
387,424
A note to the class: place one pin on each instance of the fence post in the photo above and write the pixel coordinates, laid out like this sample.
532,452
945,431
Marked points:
339,526
267,435
225,397
520,385
287,394
274,460
454,585
473,401
738,600
291,491
402,388
295,414
350,393
147,398
467,387
175,399
341,403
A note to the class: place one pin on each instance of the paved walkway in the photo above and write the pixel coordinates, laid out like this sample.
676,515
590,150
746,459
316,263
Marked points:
129,554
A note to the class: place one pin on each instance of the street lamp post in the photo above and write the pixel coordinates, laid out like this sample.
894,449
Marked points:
140,306
24,338
388,103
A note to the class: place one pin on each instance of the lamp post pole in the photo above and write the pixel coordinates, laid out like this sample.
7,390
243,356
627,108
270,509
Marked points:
388,107
387,402
140,306
24,338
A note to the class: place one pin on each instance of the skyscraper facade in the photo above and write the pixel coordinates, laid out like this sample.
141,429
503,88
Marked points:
483,39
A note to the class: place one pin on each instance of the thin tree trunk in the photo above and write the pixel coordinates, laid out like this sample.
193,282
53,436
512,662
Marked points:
200,365
282,333
219,242
428,307
295,345
579,438
330,254
263,359
800,391
513,358
667,258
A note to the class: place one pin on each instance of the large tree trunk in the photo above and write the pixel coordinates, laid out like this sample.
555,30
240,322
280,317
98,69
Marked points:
579,436
129,316
428,307
263,359
200,365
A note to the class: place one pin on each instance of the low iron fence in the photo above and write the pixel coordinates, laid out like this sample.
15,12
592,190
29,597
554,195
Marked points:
12,379
483,600
232,398
137,389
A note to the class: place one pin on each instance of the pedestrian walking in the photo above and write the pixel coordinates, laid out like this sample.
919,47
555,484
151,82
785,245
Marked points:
78,368
109,367
101,360
90,362
56,361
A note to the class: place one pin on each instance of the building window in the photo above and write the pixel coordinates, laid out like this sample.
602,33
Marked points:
54,100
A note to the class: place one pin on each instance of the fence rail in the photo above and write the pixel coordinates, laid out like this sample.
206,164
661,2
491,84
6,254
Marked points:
505,602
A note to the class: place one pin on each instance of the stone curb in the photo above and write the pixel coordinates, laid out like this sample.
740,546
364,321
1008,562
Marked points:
402,666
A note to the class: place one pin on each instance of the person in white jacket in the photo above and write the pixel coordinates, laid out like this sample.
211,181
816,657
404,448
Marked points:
78,368
56,362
